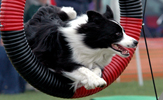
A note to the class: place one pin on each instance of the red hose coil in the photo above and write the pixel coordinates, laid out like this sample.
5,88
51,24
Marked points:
118,64
11,19
12,12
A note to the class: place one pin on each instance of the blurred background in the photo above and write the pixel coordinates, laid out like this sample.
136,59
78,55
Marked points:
135,80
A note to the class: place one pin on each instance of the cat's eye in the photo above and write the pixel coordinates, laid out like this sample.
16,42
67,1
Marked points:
118,34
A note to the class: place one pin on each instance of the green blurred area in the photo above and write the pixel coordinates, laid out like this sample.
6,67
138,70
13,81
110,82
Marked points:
129,88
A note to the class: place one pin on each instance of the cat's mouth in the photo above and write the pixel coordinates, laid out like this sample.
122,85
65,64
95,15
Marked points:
122,50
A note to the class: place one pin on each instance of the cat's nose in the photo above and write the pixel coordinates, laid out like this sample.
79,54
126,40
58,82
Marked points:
135,43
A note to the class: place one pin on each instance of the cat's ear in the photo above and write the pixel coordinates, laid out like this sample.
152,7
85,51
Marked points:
94,17
109,13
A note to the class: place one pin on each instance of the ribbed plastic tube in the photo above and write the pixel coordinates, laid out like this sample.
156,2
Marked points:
25,62
21,56
131,20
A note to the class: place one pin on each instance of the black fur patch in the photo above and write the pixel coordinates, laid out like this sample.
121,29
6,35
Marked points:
46,42
50,46
100,32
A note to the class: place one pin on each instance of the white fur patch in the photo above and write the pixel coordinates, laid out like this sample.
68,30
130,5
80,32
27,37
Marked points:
93,59
97,71
126,41
81,53
70,12
85,77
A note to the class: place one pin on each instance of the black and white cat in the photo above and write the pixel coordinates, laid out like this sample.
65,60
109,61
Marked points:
78,47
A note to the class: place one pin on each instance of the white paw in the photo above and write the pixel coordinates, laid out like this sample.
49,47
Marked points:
92,81
97,71
70,12
85,77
